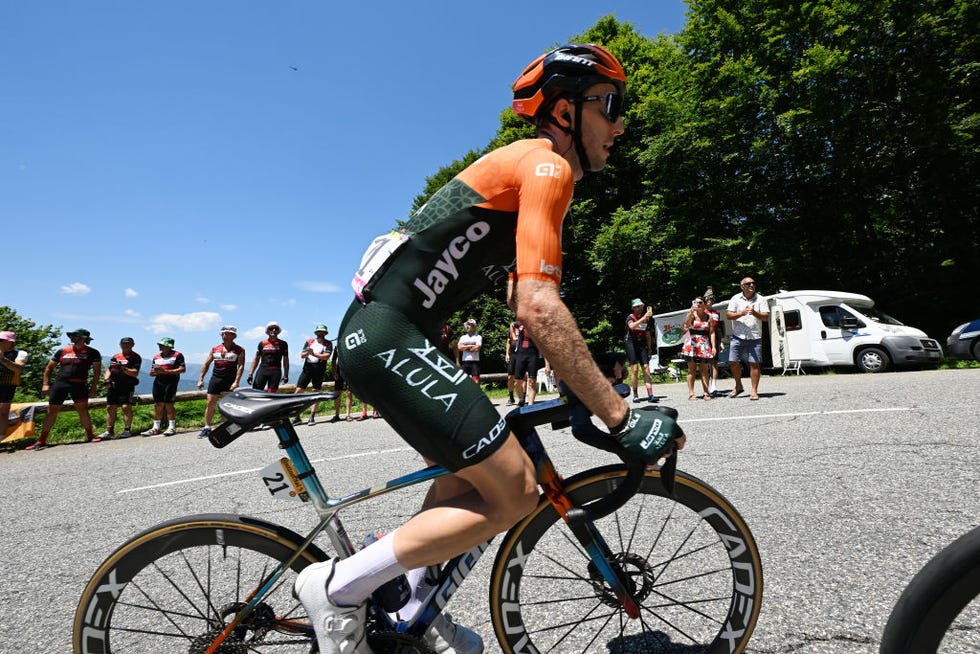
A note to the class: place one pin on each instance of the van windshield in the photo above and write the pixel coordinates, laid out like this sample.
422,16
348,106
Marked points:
878,316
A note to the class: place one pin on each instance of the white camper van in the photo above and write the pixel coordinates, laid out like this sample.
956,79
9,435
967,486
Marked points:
827,328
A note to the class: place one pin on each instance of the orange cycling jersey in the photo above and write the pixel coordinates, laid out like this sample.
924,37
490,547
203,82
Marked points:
502,214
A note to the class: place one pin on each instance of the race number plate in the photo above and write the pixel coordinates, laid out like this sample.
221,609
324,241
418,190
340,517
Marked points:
282,482
375,258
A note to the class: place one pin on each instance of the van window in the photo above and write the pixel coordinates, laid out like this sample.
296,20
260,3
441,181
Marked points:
879,316
831,316
792,320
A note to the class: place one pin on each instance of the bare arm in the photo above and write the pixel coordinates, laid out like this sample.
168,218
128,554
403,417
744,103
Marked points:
46,378
553,328
204,369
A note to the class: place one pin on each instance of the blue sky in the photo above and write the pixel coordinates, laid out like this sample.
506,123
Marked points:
167,168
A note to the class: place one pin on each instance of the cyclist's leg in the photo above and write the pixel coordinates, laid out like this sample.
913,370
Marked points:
431,404
504,490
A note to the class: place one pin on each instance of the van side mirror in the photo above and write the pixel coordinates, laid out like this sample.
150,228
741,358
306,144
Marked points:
848,322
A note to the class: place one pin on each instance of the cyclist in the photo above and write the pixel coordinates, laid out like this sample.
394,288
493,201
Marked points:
500,217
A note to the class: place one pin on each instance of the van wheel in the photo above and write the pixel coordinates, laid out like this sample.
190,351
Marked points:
976,349
873,359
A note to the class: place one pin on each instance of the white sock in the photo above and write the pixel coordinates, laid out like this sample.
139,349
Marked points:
172,424
419,582
356,577
156,424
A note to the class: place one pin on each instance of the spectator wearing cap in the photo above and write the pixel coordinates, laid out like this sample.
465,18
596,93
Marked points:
168,364
468,347
74,364
12,363
273,353
228,358
316,355
121,379
639,346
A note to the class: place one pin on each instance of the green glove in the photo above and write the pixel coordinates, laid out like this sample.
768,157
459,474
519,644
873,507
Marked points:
648,433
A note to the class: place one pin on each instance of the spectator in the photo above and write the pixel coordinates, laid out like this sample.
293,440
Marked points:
121,379
719,327
699,345
747,311
527,358
74,363
511,360
316,355
12,363
166,369
364,411
638,347
341,388
469,350
274,354
229,364
446,339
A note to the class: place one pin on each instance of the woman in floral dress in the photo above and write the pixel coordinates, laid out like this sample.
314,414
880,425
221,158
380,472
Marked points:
699,345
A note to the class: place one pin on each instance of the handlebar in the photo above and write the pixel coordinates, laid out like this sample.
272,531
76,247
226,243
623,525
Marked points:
558,413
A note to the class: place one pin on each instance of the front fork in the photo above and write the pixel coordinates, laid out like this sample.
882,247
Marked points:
584,530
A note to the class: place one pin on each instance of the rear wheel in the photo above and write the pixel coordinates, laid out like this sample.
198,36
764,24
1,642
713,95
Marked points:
691,564
873,359
975,350
173,588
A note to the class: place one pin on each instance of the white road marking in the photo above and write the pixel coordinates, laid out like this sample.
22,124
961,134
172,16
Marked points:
408,449
254,470
799,414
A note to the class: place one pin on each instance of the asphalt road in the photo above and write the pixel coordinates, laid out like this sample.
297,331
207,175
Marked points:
849,482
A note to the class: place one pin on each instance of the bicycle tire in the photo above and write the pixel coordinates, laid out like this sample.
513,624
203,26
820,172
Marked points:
693,563
174,587
937,594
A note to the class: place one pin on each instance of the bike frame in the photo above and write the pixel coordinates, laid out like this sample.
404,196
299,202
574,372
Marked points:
453,572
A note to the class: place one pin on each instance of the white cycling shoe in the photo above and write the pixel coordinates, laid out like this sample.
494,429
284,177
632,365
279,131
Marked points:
339,629
447,637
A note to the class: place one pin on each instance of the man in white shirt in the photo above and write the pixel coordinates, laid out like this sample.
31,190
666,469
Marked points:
469,350
747,311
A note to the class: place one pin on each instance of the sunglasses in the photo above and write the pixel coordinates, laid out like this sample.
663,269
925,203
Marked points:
612,107
749,284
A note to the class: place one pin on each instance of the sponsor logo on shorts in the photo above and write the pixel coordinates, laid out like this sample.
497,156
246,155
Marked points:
492,435
426,370
355,339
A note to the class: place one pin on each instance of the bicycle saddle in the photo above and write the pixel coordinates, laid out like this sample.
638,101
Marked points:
247,408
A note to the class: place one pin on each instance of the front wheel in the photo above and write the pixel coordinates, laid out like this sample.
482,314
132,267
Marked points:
174,587
692,566
934,598
873,359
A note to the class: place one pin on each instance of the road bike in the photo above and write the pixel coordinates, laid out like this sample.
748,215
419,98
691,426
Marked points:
926,609
620,558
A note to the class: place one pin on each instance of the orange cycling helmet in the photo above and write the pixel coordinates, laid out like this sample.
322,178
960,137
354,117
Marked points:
564,72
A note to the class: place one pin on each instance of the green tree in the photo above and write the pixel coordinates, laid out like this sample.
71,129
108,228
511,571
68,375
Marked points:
39,341
822,144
